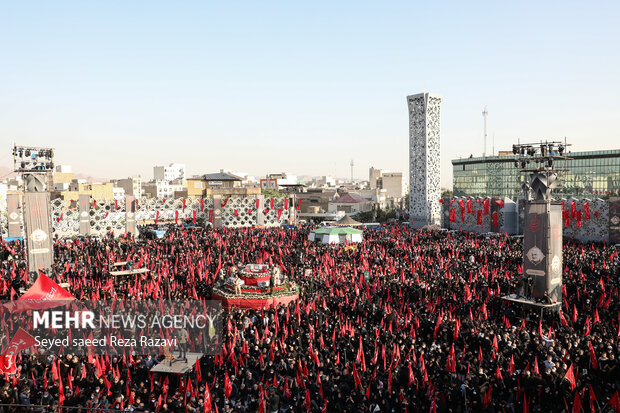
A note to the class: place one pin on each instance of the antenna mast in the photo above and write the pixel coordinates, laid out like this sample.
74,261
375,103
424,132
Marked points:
352,164
484,115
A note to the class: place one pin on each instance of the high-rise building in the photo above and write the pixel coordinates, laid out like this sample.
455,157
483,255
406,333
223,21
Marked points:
424,159
373,176
132,186
172,172
585,175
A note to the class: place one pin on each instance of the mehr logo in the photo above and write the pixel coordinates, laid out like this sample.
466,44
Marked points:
64,319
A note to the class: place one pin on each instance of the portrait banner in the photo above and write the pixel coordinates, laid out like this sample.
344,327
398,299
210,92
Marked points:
84,214
614,220
15,225
38,230
130,215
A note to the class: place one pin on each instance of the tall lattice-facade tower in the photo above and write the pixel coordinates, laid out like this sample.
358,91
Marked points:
424,159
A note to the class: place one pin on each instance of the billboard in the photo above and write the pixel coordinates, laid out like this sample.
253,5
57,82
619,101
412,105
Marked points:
614,220
84,214
130,215
542,249
38,230
15,225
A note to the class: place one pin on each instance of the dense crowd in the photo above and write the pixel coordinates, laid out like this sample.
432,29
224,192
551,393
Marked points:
407,321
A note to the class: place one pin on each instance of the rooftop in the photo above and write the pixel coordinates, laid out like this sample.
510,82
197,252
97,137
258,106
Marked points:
220,176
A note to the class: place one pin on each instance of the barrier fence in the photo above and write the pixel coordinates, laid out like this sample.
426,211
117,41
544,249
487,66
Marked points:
102,216
583,219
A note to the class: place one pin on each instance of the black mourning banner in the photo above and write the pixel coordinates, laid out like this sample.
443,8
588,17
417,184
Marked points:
84,211
38,230
614,220
542,249
130,215
12,203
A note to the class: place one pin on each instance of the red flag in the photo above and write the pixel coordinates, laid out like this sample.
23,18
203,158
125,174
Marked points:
7,364
498,374
479,217
577,403
540,328
227,385
44,289
592,399
575,314
494,217
452,215
207,399
592,356
488,397
570,377
525,405
615,402
198,372
61,392
586,210
20,341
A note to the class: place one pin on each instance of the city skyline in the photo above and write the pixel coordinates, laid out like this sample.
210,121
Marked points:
304,90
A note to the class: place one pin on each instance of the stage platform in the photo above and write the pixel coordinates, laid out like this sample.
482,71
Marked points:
528,301
178,366
129,272
119,264
255,303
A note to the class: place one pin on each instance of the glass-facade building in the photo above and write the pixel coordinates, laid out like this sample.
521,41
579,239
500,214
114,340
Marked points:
593,174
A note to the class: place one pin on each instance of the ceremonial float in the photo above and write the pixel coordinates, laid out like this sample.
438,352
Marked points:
250,287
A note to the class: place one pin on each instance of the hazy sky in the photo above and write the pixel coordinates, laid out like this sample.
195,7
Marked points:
119,86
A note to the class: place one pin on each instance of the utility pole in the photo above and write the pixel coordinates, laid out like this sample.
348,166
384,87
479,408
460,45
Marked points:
484,115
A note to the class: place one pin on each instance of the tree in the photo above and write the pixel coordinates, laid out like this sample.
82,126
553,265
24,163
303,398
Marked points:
446,193
272,193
